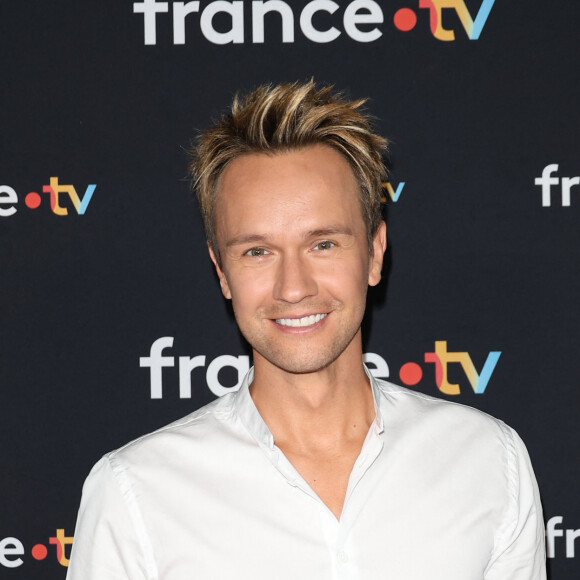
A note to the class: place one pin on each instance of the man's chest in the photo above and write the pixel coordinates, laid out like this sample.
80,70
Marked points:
397,522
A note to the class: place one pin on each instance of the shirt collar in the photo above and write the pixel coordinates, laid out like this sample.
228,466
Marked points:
377,394
253,422
249,415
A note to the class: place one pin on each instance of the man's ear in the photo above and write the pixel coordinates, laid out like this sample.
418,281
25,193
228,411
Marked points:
223,281
376,260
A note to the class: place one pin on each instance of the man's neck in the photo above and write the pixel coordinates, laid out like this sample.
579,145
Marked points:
312,409
319,420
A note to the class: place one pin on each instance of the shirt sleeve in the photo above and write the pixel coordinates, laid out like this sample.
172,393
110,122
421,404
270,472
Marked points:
519,553
110,541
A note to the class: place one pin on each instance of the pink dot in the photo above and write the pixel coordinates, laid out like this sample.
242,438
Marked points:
405,19
39,552
410,373
32,200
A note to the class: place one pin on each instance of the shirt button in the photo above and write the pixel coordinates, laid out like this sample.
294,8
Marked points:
342,557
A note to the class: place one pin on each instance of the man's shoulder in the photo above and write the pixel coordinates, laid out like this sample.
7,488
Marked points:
161,469
440,414
440,432
196,429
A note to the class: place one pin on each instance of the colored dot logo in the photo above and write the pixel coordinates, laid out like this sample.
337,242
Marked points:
410,373
32,200
405,19
39,552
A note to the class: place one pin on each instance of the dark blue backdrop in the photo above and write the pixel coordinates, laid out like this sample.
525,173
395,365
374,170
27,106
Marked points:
475,260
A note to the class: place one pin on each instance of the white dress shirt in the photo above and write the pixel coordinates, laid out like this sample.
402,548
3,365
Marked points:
439,492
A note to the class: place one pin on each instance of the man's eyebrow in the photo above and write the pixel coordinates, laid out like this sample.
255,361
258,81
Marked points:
246,239
329,231
243,239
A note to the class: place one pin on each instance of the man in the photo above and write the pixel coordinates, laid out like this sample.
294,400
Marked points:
313,469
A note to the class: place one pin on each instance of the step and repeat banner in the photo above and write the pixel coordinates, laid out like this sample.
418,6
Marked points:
112,323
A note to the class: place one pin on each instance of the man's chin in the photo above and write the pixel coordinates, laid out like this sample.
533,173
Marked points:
299,364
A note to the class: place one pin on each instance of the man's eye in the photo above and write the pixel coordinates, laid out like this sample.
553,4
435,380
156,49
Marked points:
325,245
256,252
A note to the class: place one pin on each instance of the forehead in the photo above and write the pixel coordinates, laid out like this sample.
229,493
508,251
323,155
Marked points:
307,188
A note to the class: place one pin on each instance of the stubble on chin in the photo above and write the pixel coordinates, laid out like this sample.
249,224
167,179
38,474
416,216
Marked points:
298,354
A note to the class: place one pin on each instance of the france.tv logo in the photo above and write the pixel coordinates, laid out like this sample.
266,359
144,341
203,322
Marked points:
405,19
319,21
56,193
11,550
411,373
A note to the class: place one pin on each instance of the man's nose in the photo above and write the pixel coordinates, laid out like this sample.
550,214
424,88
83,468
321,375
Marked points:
294,280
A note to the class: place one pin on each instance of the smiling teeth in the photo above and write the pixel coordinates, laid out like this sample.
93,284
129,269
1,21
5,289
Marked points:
304,321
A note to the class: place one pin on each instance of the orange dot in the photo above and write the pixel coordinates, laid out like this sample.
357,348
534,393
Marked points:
39,552
405,19
32,200
410,373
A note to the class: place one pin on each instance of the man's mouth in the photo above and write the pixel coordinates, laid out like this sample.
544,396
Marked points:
300,322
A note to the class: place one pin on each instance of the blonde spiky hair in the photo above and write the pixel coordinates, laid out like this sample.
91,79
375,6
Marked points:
287,117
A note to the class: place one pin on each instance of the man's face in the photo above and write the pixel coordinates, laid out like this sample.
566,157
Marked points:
295,260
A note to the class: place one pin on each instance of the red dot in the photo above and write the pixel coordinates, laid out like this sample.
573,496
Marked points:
405,19
32,200
39,552
410,373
